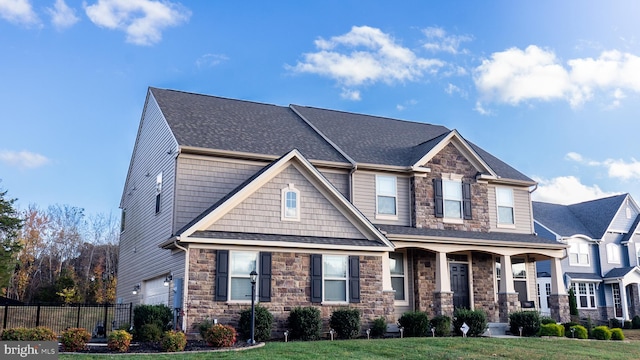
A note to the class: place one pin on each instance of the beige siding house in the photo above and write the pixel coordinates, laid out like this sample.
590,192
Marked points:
332,209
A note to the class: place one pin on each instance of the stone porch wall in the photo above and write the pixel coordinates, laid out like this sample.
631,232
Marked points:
484,291
290,287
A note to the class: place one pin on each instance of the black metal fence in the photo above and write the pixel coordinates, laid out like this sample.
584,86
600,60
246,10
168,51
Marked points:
98,319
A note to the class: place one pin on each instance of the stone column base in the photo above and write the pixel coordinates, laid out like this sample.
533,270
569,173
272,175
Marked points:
559,307
388,302
443,303
507,303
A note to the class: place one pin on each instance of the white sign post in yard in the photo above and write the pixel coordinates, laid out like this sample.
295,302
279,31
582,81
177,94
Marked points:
464,328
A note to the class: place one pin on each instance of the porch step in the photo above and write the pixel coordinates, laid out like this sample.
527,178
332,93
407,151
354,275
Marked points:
496,329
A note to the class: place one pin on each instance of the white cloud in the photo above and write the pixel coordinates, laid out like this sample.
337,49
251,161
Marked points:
365,55
440,41
616,168
403,106
210,60
62,16
18,12
452,89
23,159
514,76
566,190
350,94
142,20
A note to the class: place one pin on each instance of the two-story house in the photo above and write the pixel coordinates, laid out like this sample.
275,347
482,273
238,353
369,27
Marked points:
330,208
603,262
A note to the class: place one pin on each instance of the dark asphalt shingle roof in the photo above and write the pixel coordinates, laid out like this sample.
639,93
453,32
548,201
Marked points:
212,122
591,218
618,272
583,276
286,238
632,230
465,235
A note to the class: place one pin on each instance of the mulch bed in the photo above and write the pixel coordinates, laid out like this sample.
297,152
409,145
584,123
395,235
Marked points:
154,347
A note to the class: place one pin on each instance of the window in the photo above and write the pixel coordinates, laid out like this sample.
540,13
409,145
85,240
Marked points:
585,294
617,300
398,278
613,254
579,254
123,217
158,191
452,192
386,195
335,278
290,203
232,279
504,198
452,198
638,255
241,265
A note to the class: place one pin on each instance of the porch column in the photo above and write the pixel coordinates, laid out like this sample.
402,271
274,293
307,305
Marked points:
623,301
558,300
443,296
507,296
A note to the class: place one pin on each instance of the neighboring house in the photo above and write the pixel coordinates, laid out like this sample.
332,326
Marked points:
331,209
603,259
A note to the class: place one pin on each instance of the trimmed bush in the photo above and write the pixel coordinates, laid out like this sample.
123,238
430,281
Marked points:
442,325
615,323
601,333
149,332
415,323
40,333
617,334
568,326
173,341
635,322
221,336
203,327
346,322
628,324
119,340
264,323
475,319
151,314
579,332
546,320
305,323
551,330
75,339
379,327
528,320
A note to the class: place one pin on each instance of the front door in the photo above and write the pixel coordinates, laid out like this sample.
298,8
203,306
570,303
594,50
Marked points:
460,284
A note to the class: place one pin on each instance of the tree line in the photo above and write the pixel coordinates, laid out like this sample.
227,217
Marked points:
57,254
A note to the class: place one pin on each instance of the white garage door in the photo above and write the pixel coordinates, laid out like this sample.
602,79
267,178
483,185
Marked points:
155,292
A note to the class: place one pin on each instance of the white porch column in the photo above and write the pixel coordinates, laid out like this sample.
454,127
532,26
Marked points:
623,300
386,273
506,275
557,283
443,281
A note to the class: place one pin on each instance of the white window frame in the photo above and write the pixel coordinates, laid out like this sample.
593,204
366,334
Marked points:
285,216
325,278
613,253
158,198
505,199
452,180
582,249
404,276
232,259
589,294
638,254
381,193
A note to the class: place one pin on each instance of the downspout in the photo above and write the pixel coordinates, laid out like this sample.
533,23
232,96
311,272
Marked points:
186,279
533,226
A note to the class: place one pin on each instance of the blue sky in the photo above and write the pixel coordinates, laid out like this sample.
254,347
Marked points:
550,87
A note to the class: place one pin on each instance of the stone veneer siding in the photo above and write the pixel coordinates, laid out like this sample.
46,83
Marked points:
484,291
290,287
450,161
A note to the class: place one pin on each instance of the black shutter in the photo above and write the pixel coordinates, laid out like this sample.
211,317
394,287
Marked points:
222,275
354,279
265,277
438,198
316,278
466,200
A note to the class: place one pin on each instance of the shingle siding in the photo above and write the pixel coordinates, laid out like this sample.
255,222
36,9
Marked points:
522,211
365,198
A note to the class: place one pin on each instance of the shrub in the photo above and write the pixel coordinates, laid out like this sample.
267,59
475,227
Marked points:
442,325
204,326
529,321
475,319
40,333
75,339
568,326
551,330
546,320
379,327
579,332
415,323
43,333
601,333
573,303
346,322
221,336
615,323
617,334
305,323
173,341
15,334
635,322
119,340
264,323
149,332
151,314
628,324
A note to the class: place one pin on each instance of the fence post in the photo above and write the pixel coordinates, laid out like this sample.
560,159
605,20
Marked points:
106,308
6,314
78,319
130,315
38,316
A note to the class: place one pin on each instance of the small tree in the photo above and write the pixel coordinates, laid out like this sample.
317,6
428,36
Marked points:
573,303
10,224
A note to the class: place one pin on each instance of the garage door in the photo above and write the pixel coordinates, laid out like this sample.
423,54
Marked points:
155,292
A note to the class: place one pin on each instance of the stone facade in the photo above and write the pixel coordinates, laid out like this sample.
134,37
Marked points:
484,290
449,161
507,303
559,306
290,287
424,280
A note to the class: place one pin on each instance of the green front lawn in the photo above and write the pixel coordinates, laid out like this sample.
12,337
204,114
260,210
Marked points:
417,348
